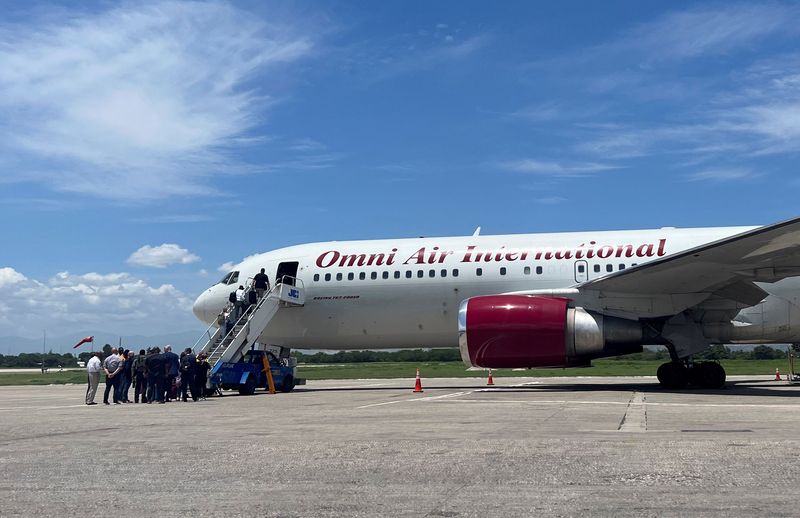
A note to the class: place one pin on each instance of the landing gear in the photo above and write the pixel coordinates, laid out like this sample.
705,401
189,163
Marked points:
676,375
673,375
708,375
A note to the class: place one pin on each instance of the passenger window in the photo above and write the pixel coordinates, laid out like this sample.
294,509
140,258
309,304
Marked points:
479,272
373,275
527,270
539,270
338,276
634,264
408,274
385,275
420,273
432,273
327,276
444,273
397,275
621,266
502,270
581,268
455,272
351,276
362,276
316,277
609,268
597,268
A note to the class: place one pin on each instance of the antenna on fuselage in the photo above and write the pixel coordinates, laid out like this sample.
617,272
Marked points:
477,232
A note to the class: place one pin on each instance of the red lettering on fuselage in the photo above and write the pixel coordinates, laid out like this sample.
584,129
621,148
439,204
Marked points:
434,255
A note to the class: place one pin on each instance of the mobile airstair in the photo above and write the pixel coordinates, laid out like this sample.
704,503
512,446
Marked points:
230,347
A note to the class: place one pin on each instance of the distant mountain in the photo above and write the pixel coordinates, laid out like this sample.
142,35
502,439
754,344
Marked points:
64,343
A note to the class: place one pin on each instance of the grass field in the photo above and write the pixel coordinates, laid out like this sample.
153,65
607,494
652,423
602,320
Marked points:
436,370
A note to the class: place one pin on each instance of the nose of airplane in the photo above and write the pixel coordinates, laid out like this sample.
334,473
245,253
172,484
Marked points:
200,308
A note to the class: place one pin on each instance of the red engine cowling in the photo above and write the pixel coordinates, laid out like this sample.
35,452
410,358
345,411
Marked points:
515,331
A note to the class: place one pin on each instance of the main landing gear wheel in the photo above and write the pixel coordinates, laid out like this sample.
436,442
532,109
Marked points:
673,375
708,375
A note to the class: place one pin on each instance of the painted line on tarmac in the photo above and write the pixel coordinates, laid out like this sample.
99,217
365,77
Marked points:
429,398
343,387
621,403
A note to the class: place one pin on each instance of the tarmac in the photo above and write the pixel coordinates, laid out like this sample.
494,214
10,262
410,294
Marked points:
525,447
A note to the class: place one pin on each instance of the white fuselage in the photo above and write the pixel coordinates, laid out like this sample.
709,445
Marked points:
405,293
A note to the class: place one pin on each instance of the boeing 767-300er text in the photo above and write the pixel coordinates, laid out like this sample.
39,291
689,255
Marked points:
531,300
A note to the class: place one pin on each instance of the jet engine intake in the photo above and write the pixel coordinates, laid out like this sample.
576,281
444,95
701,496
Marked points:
519,331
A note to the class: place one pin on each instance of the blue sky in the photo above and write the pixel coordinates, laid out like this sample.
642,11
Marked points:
145,144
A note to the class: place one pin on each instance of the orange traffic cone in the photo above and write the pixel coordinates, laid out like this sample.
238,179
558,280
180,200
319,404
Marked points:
418,384
490,381
777,375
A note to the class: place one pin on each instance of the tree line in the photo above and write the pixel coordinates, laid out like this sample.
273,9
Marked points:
51,360
716,352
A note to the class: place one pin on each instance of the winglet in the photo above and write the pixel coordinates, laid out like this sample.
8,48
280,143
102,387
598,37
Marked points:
477,232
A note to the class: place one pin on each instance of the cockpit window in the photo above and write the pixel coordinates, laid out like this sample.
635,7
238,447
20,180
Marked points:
230,278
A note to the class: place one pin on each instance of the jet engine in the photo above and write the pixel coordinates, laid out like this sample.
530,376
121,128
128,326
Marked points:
515,331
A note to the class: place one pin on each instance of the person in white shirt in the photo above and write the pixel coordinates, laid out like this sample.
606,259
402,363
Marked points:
93,368
240,300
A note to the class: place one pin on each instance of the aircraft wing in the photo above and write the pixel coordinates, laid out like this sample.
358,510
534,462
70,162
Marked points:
727,269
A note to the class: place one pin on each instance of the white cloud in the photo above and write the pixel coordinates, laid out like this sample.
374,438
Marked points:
226,267
708,30
142,101
542,167
722,175
114,301
9,276
161,256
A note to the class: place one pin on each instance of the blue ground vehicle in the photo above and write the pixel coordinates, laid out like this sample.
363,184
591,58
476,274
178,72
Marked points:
248,374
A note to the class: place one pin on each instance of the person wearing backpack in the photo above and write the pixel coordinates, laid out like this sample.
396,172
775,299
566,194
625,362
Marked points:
188,361
140,377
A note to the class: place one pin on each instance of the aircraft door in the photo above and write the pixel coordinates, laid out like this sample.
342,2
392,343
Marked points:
287,269
581,271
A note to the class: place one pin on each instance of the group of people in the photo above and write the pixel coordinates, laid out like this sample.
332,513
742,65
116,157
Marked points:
155,376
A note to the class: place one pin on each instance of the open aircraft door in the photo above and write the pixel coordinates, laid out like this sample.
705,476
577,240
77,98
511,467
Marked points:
287,270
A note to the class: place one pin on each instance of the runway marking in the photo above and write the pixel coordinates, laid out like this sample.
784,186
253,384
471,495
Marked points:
635,418
619,403
429,398
526,384
354,386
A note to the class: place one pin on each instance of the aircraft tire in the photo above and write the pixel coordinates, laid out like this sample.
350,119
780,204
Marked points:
673,375
711,374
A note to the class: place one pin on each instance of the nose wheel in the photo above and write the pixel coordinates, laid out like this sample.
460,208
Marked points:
676,375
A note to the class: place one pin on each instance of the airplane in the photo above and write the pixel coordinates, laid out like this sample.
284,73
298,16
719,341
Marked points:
539,300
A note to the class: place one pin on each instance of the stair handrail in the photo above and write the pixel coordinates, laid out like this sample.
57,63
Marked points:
251,310
206,332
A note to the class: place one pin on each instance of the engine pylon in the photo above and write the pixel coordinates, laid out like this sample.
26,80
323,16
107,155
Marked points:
418,383
490,381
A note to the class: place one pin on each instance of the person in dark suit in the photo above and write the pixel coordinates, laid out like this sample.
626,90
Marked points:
172,365
155,376
188,362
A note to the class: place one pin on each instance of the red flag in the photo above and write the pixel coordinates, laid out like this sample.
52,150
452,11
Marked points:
85,340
